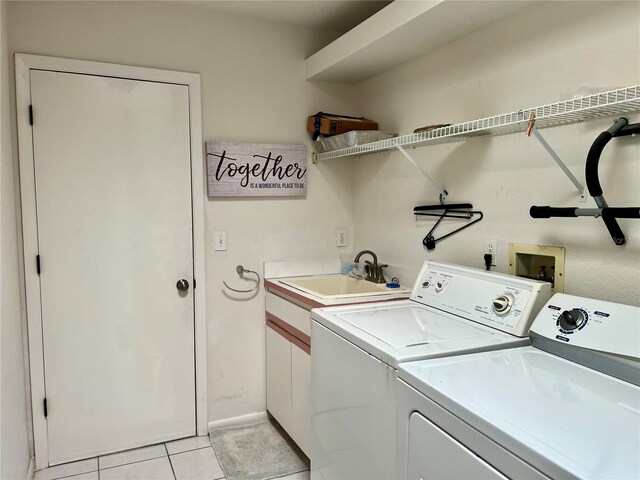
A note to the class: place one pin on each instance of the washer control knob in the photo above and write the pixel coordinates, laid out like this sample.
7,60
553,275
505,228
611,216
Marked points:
439,286
571,319
502,304
426,284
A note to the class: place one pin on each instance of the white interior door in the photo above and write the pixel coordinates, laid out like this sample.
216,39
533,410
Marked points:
113,196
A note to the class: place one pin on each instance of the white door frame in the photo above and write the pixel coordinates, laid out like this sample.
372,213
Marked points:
23,64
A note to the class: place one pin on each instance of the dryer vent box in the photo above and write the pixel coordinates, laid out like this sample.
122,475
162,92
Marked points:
540,262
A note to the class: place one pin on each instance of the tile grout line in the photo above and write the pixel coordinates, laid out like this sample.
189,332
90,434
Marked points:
191,450
170,463
127,451
188,449
73,474
132,463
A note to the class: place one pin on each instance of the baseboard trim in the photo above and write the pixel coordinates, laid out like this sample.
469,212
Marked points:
241,420
30,470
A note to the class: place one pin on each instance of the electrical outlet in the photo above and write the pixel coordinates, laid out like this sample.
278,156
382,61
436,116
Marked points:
341,238
220,241
490,246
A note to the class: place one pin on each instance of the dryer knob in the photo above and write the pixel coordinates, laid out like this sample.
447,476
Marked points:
571,319
502,304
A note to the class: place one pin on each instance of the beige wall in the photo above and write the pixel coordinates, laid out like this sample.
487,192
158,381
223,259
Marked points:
549,53
14,419
253,90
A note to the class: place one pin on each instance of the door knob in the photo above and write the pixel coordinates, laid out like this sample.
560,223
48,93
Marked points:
182,285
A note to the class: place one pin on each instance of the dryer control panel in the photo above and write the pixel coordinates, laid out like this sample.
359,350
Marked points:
505,302
594,324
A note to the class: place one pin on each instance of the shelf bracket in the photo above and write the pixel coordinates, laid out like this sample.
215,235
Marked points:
582,195
443,192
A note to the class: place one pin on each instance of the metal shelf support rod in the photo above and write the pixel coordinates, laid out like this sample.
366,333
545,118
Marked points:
561,164
443,192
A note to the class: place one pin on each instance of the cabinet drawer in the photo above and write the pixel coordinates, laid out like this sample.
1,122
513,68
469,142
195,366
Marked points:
294,315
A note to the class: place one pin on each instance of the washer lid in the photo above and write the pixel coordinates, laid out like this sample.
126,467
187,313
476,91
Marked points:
411,325
404,331
562,418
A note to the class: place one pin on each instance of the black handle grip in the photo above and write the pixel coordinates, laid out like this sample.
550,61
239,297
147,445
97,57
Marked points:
621,212
591,167
548,212
614,230
593,157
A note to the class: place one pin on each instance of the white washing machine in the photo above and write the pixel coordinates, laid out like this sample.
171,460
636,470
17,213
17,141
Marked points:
568,406
356,351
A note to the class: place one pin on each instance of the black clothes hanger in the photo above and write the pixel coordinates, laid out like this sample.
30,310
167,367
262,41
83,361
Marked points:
455,210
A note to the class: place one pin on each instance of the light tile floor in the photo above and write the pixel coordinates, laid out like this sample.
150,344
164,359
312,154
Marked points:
187,459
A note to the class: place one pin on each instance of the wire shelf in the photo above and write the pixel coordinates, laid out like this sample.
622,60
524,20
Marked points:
614,102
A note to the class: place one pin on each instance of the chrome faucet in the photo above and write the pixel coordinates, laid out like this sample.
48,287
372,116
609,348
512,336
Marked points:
374,271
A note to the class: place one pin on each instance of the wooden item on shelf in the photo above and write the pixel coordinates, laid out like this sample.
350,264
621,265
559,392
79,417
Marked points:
330,124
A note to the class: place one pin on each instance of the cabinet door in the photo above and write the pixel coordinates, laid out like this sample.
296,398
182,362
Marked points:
301,398
279,377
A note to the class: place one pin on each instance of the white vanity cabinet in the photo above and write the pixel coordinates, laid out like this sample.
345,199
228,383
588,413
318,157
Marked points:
288,328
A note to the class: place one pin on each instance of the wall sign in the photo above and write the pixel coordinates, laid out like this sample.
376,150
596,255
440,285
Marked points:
256,169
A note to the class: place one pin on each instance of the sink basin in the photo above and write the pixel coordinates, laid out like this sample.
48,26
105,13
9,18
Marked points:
340,286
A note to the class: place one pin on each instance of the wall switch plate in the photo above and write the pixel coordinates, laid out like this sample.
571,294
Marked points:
220,241
491,246
341,238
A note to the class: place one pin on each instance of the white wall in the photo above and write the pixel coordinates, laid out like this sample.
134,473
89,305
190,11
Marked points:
253,90
549,53
14,423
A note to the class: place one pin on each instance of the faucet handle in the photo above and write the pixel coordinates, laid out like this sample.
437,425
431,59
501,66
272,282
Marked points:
380,275
372,275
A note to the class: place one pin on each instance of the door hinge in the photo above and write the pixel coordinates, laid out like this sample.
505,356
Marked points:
30,114
194,283
46,411
38,264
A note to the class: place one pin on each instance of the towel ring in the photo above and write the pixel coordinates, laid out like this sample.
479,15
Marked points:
241,271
